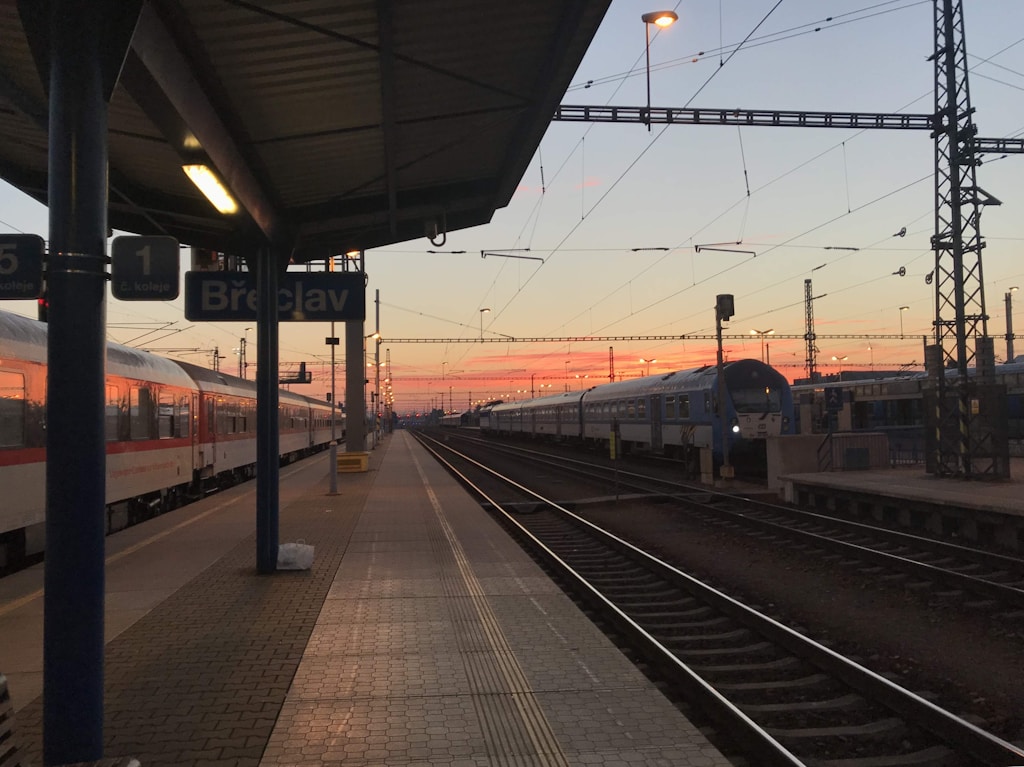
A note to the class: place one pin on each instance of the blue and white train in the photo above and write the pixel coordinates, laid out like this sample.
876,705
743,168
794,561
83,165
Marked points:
892,403
674,414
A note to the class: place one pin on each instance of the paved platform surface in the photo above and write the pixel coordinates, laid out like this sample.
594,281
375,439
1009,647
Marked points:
1002,496
422,636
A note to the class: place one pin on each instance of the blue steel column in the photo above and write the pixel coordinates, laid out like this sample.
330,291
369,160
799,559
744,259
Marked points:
76,460
267,427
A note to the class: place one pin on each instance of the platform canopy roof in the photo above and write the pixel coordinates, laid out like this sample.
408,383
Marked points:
337,124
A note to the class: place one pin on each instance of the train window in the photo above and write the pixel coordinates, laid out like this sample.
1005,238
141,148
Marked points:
630,408
641,408
184,418
140,413
684,405
113,422
12,409
756,399
670,406
165,415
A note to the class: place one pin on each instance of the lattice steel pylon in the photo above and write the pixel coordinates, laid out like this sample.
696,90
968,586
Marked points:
809,335
960,422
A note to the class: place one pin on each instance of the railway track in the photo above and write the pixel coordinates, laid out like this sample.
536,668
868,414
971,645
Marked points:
982,580
782,698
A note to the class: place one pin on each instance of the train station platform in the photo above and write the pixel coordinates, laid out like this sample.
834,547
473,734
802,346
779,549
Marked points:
422,635
989,512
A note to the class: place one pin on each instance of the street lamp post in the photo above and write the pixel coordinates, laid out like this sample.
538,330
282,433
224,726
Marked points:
902,309
840,360
661,19
1009,322
642,361
482,313
762,334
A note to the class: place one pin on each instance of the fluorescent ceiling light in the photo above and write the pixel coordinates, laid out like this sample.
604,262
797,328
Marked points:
211,186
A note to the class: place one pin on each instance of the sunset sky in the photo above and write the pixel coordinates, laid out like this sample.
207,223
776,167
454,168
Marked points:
615,213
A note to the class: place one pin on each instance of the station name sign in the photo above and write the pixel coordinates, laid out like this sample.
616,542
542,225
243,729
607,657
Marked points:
301,296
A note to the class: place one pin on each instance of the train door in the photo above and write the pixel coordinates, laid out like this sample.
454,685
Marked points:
211,433
656,440
197,445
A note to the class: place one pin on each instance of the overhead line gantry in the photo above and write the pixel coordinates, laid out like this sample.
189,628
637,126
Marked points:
672,337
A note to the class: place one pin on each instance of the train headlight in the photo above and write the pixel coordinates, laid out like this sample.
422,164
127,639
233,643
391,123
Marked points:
735,426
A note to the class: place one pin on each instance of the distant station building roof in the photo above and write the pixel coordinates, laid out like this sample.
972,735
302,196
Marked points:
337,125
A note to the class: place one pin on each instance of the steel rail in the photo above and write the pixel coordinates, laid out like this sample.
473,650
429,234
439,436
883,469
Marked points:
948,728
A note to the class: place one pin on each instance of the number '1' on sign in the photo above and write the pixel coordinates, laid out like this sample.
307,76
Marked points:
144,268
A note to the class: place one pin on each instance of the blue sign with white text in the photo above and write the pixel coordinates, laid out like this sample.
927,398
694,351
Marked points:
21,265
301,296
144,268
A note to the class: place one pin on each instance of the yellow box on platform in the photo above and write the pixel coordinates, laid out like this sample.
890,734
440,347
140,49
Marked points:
352,462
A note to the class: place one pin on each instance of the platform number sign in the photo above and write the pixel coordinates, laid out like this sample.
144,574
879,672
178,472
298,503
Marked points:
21,265
144,268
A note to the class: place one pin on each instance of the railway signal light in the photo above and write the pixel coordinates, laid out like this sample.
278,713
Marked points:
725,306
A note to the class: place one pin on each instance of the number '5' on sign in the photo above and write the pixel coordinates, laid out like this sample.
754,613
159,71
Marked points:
21,266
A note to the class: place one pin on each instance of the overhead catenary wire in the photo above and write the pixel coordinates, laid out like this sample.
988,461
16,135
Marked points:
772,38
850,208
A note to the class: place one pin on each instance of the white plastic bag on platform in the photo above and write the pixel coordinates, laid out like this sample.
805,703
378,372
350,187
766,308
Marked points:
294,556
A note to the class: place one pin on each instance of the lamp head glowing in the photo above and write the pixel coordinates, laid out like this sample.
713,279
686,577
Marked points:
660,18
212,187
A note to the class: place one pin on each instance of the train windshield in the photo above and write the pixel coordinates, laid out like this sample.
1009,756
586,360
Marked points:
763,399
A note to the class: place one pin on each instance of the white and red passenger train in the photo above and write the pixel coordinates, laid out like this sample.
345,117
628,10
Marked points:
173,431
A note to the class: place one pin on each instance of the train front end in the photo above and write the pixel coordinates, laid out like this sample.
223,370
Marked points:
760,406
